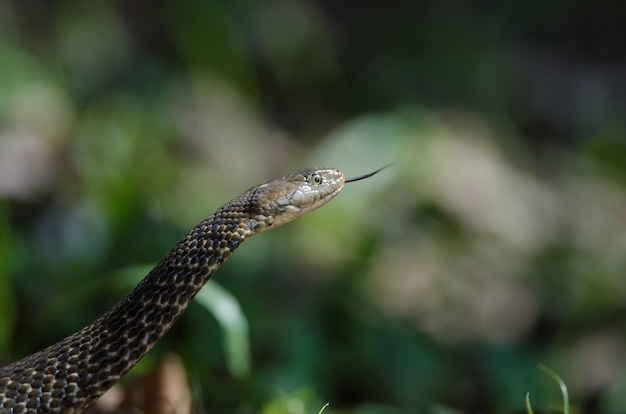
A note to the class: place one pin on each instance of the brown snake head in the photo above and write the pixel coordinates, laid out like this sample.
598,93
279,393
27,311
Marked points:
286,198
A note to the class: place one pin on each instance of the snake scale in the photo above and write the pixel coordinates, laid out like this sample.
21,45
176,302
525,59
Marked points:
68,376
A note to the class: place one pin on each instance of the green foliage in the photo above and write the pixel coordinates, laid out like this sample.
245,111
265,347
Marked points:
497,238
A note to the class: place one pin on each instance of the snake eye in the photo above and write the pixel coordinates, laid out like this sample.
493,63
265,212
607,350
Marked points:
316,178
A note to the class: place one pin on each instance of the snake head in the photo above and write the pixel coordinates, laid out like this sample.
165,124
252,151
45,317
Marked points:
286,198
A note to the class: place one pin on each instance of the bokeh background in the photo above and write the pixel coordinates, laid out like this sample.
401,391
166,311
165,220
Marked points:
496,241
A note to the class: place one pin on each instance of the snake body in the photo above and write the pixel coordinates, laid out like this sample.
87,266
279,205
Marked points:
68,376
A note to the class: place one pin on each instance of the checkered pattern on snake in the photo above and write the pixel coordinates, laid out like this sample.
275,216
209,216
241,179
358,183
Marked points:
69,375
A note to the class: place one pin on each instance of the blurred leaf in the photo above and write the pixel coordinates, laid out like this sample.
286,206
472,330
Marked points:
298,402
225,308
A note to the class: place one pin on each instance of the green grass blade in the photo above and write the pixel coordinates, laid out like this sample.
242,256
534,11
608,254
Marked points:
225,308
529,409
562,385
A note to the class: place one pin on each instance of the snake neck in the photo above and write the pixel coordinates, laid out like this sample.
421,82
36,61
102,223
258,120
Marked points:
91,360
129,330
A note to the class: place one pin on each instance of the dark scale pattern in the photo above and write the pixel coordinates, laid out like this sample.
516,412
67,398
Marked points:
69,375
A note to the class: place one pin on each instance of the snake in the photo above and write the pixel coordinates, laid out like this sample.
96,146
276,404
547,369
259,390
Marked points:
68,376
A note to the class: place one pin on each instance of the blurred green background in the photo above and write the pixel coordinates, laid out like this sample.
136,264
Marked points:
497,240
